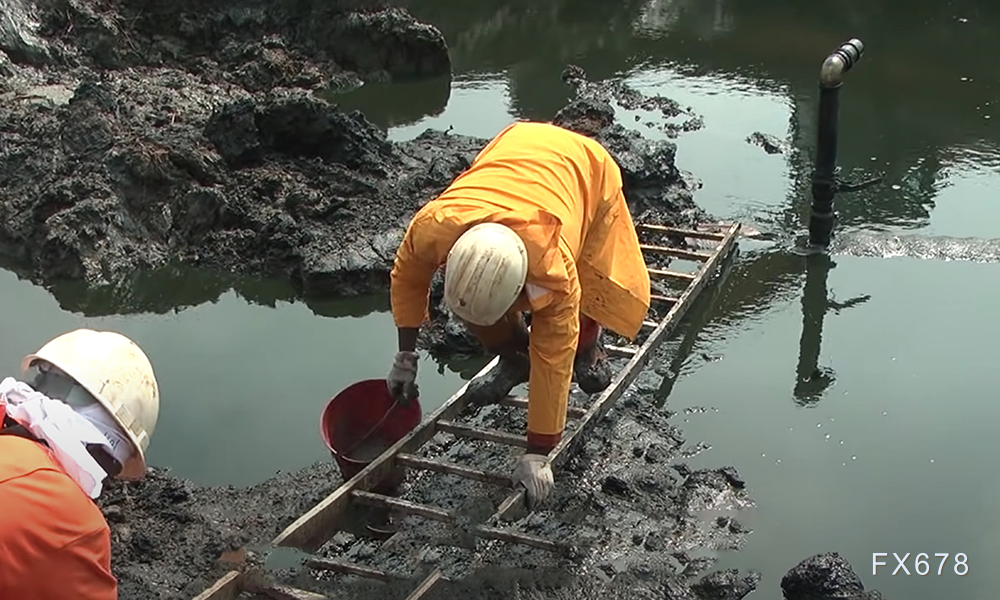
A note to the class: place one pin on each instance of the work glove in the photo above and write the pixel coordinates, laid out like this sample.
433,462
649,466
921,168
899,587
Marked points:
402,377
534,472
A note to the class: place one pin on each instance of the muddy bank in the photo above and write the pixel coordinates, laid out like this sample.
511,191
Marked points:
140,137
644,525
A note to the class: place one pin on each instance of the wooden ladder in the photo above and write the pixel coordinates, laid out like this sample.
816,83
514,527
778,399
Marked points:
317,526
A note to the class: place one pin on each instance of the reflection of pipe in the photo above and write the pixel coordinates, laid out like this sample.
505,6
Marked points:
812,380
824,184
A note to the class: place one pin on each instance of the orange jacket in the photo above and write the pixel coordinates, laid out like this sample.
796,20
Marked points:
562,193
54,541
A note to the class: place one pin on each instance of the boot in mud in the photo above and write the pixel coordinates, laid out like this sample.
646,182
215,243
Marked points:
497,384
591,369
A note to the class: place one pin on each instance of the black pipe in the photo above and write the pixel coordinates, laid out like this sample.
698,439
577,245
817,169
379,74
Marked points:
824,183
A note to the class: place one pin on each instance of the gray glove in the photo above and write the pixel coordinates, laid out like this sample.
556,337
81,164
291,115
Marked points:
534,472
403,376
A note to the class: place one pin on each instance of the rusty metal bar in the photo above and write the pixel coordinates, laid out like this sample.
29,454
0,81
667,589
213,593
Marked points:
675,274
499,437
417,462
620,350
514,402
688,233
677,252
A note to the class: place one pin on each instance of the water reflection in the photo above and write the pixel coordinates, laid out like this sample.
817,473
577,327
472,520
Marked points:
397,104
811,379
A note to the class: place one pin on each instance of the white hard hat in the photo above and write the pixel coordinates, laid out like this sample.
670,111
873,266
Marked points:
485,272
119,376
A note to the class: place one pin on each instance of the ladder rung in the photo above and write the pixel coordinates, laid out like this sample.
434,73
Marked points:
690,233
503,535
284,592
516,402
500,437
667,299
447,468
620,350
676,274
677,252
446,516
405,506
650,324
426,585
325,564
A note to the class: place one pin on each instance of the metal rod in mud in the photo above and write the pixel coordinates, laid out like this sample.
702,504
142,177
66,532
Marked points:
824,183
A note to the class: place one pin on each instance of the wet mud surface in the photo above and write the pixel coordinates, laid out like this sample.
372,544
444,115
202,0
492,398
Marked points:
140,137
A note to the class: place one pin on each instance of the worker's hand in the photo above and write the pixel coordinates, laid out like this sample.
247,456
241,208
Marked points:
403,377
534,472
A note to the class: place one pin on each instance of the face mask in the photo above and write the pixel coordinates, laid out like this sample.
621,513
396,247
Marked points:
121,448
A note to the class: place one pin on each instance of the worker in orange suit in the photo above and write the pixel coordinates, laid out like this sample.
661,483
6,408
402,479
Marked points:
83,413
538,224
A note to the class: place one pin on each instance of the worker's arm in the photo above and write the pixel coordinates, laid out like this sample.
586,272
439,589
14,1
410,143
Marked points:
422,251
555,331
84,569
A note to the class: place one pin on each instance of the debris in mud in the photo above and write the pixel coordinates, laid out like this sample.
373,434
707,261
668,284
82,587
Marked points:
825,577
770,143
170,539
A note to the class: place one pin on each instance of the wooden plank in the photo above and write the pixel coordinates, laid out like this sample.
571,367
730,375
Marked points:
425,586
447,468
319,524
677,252
336,566
498,437
674,274
404,506
624,378
285,592
228,587
688,233
512,401
512,537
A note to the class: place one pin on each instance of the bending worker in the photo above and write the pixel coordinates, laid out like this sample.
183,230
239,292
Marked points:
538,224
86,415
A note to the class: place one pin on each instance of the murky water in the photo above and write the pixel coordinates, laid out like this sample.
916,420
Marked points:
856,400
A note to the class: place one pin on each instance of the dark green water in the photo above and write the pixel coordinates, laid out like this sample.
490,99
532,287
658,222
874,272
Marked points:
861,428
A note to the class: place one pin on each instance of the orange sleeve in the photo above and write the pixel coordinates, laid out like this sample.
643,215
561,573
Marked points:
423,250
85,567
554,335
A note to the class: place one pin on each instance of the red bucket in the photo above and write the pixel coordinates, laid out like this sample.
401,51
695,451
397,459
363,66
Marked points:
354,413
